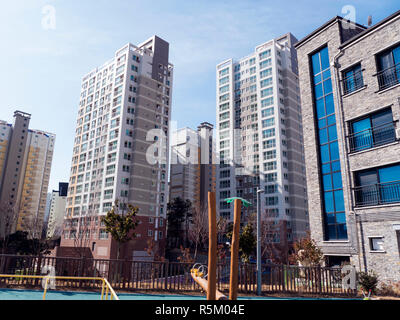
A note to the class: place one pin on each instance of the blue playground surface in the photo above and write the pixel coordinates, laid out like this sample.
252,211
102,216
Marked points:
21,294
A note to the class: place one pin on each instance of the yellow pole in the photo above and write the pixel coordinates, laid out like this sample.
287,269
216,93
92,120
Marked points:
107,293
45,288
233,286
212,248
102,290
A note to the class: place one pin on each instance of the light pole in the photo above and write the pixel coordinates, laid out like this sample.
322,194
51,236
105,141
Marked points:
259,241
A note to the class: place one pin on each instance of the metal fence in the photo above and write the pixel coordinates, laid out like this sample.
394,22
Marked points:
130,275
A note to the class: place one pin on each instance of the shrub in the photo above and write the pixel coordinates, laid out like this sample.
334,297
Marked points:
389,288
368,281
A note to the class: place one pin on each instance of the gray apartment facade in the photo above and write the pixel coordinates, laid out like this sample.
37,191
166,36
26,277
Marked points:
350,92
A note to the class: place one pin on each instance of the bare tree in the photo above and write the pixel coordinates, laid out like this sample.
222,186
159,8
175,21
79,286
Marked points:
80,232
8,220
198,230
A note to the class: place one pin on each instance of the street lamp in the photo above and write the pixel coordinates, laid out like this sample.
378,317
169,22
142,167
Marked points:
259,241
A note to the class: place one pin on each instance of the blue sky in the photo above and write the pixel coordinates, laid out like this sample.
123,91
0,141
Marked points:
41,69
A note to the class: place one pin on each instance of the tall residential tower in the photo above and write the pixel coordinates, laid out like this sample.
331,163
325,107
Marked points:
122,129
25,163
260,137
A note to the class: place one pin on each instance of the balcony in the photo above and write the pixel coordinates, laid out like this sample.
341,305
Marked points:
353,82
389,77
372,137
377,194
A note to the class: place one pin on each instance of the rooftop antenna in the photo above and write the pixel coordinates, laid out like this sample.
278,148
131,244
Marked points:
369,21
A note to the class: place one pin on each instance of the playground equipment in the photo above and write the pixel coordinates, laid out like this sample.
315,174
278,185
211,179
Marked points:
200,272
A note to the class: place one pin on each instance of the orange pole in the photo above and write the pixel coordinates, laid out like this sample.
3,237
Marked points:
212,248
233,286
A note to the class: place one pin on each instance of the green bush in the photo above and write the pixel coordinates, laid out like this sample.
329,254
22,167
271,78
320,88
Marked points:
368,281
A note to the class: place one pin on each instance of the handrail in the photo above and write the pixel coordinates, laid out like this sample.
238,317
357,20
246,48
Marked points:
105,283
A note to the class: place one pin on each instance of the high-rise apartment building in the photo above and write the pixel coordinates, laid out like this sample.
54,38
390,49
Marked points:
25,163
193,165
122,129
260,138
350,92
57,205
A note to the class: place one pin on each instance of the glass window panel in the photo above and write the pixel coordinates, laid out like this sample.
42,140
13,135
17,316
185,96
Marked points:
326,168
318,91
327,182
320,108
330,107
331,120
341,217
322,123
339,200
317,79
329,207
324,58
342,231
332,231
325,153
382,118
315,63
332,133
389,174
327,86
337,180
323,136
330,218
334,151
336,166
365,178
327,74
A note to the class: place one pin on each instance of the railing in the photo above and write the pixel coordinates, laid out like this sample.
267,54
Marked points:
353,82
131,275
389,77
372,137
107,292
377,194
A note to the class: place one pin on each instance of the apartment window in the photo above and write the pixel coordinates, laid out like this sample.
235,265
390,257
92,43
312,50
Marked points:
376,244
388,64
271,188
352,79
377,186
333,201
372,131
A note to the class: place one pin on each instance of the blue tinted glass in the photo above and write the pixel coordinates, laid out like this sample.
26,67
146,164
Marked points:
339,201
326,74
332,231
323,136
336,166
318,91
342,231
361,125
341,217
325,153
326,168
327,182
322,123
317,79
331,120
337,180
320,108
334,151
327,86
330,218
332,133
389,174
315,63
324,58
330,107
328,196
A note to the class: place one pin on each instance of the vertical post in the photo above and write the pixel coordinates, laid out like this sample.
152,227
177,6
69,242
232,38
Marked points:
212,248
233,289
259,284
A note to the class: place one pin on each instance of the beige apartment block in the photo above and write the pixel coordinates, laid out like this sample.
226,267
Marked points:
121,149
25,163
